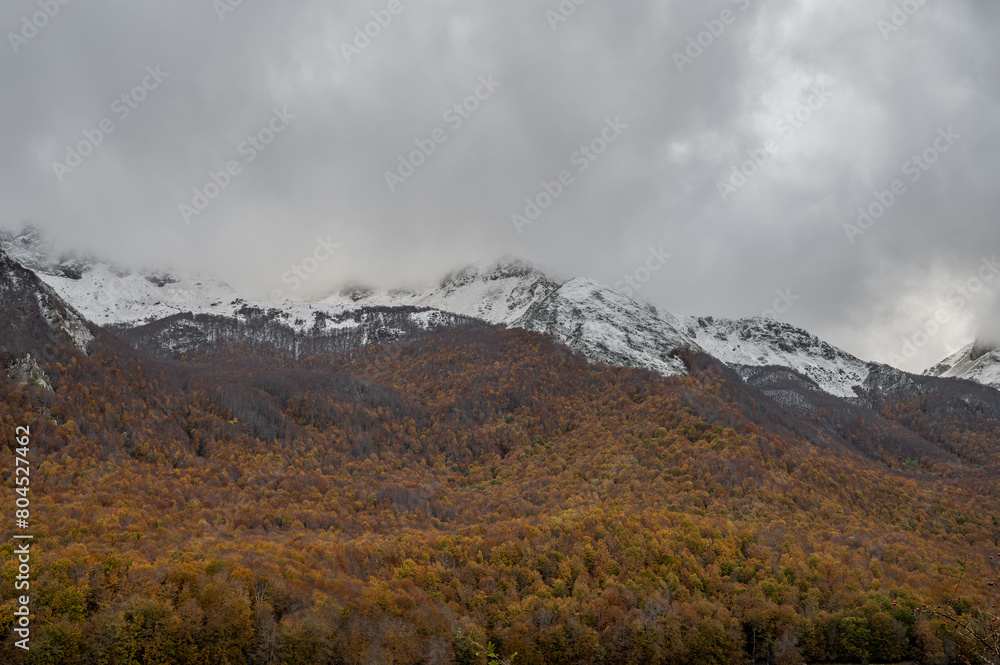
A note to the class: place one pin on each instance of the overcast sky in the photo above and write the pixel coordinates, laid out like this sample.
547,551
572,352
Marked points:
834,99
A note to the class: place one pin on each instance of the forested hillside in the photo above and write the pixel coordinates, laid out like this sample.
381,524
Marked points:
407,501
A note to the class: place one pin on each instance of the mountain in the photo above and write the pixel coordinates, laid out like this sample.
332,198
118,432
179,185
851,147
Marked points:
498,293
34,251
606,326
31,311
761,342
110,295
174,313
35,323
590,318
475,484
331,498
975,362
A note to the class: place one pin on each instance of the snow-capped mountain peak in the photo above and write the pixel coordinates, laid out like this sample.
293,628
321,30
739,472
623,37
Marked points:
496,292
505,268
977,362
608,327
591,318
108,294
30,248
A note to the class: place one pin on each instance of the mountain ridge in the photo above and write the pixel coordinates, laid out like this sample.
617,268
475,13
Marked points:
589,317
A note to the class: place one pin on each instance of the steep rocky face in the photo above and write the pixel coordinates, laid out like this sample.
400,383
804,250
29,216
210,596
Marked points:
28,303
34,324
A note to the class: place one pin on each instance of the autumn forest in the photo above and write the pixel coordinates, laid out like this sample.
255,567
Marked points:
469,494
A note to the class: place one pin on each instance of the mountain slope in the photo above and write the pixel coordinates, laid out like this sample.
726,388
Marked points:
760,342
107,294
473,485
592,319
31,311
259,331
975,362
35,325
608,327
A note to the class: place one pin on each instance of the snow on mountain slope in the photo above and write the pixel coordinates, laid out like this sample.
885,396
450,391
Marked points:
498,293
759,342
608,327
32,250
975,362
595,320
109,295
591,318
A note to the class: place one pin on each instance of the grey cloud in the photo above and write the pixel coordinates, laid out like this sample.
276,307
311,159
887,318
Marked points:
657,185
